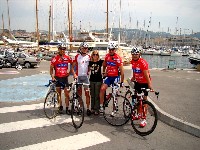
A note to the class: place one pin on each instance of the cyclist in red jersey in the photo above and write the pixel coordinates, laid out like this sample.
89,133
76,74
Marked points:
112,65
141,75
59,71
81,61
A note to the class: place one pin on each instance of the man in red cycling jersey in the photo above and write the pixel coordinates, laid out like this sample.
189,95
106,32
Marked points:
59,71
112,65
81,61
141,75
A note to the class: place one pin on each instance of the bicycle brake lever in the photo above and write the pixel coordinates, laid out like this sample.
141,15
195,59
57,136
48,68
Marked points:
157,94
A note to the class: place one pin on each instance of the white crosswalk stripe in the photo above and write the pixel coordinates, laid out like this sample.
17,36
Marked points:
85,140
21,108
94,138
33,123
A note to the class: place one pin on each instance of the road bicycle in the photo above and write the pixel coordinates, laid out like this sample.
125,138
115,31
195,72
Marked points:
141,110
51,103
77,107
114,112
52,99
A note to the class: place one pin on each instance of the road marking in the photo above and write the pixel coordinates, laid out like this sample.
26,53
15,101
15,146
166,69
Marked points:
9,72
24,88
33,123
21,108
75,142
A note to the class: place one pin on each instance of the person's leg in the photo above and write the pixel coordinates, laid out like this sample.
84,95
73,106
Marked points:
87,95
66,91
102,93
97,96
92,95
79,89
58,89
85,80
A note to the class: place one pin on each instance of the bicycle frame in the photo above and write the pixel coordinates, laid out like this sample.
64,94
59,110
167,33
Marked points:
115,89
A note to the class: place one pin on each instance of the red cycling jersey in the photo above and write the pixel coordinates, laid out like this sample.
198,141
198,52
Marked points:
112,65
138,68
61,65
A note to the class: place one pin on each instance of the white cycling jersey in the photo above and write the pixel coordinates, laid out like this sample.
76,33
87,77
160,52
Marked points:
82,64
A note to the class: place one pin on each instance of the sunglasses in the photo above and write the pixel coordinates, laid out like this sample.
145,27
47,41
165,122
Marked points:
111,49
95,54
135,53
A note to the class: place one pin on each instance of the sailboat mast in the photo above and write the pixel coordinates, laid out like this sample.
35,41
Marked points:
37,23
70,21
119,36
52,16
49,36
107,21
8,17
3,22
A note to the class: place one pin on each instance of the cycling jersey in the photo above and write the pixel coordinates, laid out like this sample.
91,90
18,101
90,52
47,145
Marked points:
82,64
138,68
112,65
60,64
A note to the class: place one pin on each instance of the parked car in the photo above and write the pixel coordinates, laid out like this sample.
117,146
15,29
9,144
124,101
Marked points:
3,53
27,60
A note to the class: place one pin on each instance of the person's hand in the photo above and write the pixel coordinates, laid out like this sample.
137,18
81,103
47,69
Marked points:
53,78
104,74
150,87
75,76
122,84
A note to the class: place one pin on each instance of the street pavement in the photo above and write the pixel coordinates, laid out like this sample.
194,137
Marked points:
24,126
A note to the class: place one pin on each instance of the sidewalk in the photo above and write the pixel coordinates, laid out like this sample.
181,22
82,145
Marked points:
178,104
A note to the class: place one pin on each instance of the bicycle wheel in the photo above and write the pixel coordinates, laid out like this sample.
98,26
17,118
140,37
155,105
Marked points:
51,104
118,118
77,112
148,112
128,95
127,108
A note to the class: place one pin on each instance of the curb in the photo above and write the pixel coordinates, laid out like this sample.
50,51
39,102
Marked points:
173,121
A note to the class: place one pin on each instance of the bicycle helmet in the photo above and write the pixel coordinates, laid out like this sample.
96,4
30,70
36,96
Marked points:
135,50
84,44
60,46
112,45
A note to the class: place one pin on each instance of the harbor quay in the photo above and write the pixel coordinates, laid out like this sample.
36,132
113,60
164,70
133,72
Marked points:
178,88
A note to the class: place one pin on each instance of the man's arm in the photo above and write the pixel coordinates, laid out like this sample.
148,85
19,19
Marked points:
121,68
133,77
51,72
104,66
146,74
72,69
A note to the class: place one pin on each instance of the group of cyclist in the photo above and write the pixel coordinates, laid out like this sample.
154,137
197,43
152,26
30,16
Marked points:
87,69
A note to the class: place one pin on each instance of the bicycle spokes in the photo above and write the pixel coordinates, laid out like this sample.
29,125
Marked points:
144,118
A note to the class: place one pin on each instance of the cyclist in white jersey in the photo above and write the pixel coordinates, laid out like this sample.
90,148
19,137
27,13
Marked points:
81,62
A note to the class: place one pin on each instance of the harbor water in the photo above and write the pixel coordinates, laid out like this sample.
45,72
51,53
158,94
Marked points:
157,61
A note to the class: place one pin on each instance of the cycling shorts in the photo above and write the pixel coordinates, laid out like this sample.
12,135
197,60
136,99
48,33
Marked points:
111,80
84,79
138,87
62,81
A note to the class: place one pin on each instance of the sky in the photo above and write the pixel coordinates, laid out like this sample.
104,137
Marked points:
151,15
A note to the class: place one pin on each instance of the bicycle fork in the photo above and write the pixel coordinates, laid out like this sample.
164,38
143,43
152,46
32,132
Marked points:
140,111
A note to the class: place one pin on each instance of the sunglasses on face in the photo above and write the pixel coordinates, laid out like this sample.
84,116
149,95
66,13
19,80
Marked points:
84,48
62,48
111,49
95,54
135,54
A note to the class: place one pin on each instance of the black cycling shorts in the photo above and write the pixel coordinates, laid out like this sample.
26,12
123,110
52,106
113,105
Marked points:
138,87
63,81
